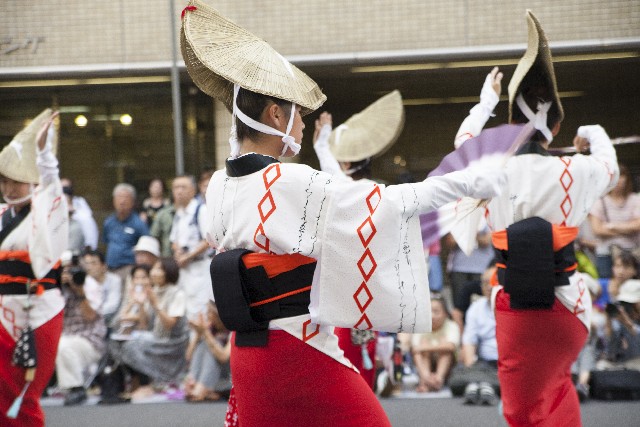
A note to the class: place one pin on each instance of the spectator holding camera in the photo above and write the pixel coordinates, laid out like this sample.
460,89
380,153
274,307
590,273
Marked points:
622,329
83,334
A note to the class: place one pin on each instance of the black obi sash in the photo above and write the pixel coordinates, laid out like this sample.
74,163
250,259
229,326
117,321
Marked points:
247,298
529,268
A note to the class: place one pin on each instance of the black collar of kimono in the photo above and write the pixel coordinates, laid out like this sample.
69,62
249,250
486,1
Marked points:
532,147
248,164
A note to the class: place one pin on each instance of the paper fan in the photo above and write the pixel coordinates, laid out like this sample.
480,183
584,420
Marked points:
491,149
370,132
218,54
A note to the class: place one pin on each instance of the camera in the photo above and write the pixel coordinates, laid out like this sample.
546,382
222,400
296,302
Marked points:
78,275
612,309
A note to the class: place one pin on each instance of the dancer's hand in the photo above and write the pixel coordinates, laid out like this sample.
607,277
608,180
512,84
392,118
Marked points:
41,138
324,119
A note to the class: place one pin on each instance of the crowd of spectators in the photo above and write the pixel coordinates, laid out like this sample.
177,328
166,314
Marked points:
141,304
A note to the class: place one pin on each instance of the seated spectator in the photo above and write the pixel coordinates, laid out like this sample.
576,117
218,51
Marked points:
105,284
586,361
146,252
158,355
83,335
622,329
479,351
209,375
135,313
625,267
434,353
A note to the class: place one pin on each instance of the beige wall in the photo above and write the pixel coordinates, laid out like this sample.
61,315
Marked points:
75,32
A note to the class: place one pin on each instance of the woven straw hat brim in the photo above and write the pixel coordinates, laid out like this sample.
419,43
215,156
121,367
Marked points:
371,132
539,53
219,54
18,158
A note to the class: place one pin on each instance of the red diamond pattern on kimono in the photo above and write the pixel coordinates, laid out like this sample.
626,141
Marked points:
372,265
566,206
579,307
307,336
357,296
271,175
8,314
260,239
373,199
371,229
566,180
364,321
272,207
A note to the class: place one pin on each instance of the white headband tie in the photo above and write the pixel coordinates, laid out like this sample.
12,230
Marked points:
539,119
288,140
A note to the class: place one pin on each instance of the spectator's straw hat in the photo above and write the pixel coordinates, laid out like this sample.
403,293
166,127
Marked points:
536,61
148,244
18,158
219,54
630,291
370,132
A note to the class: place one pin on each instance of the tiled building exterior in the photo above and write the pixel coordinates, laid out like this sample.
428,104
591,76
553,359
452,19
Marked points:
113,57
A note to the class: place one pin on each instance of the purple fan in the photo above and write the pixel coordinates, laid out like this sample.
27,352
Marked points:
505,139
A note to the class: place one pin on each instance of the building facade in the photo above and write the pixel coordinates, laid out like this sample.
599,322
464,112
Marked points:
108,67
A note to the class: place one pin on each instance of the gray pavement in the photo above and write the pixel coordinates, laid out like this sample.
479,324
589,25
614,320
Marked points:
403,412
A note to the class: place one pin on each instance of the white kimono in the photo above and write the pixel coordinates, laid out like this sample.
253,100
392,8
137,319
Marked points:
561,190
371,272
44,233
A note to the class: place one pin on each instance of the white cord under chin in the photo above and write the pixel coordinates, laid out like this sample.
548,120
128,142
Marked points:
288,140
539,119
23,199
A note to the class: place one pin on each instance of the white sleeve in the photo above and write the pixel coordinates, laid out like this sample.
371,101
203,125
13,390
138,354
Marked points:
601,150
478,115
46,161
478,183
49,236
328,163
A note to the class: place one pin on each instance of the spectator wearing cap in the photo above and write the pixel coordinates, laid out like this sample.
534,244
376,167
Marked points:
122,229
82,213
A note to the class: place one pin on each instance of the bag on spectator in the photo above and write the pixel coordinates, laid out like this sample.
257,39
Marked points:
615,384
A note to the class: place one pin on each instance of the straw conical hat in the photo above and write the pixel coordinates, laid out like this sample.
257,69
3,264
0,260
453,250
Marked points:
18,159
219,54
370,132
537,58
